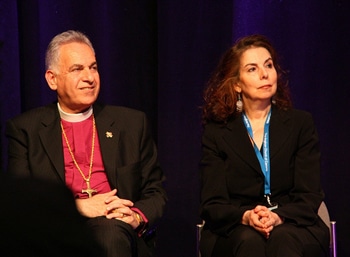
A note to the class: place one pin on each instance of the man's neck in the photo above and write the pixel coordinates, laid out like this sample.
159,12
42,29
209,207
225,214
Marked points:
74,117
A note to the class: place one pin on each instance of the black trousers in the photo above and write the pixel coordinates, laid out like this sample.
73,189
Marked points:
285,240
117,238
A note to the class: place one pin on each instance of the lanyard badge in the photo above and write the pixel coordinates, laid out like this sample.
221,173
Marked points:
264,158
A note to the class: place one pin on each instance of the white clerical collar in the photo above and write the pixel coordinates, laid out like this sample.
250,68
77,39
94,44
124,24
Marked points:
74,117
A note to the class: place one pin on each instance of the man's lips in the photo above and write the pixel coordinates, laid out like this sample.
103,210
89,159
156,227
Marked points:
86,88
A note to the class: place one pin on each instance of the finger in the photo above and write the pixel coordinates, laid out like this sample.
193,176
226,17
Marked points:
111,195
127,203
257,224
116,214
119,203
260,208
263,214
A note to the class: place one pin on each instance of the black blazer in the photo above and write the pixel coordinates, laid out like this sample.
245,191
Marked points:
232,180
129,156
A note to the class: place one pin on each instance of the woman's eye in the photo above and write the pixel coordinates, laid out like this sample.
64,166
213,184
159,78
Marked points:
270,65
251,69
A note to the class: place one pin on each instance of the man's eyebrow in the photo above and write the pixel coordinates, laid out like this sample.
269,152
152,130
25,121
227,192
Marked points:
79,66
75,66
93,64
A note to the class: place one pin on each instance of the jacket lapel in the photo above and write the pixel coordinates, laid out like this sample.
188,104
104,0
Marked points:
233,137
51,129
279,130
108,135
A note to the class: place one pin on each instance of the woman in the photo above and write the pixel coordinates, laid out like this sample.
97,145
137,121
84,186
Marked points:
260,168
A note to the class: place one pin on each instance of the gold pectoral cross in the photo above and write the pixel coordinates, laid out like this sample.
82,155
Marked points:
88,190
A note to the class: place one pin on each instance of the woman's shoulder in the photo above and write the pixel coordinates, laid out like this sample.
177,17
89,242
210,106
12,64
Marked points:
293,112
294,118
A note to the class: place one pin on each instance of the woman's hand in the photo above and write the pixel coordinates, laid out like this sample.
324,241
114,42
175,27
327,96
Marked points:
261,219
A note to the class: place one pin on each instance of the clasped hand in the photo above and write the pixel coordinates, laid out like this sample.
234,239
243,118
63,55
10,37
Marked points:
108,205
261,219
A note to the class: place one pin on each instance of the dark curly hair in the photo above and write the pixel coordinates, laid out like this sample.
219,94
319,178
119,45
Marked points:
219,96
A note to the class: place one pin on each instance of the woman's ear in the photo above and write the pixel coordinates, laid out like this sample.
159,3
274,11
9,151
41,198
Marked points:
237,87
51,79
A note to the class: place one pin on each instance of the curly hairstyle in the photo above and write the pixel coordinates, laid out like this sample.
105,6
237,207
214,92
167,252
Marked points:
220,97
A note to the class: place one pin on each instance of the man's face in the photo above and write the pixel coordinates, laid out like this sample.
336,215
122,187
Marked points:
76,77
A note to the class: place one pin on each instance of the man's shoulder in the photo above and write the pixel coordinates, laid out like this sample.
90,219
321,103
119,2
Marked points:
121,112
36,113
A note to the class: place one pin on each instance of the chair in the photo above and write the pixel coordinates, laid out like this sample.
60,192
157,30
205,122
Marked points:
322,212
324,215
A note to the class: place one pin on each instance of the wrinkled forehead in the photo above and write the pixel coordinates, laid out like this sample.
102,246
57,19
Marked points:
76,54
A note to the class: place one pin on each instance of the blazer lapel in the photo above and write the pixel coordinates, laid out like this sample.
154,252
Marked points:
241,145
108,135
279,130
50,131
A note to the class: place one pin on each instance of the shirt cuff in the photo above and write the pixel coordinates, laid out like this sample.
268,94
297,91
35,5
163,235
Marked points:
142,228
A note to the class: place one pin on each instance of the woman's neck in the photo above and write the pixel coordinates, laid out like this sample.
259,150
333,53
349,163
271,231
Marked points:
257,115
257,112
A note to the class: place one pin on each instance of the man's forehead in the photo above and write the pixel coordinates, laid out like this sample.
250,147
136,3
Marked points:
77,53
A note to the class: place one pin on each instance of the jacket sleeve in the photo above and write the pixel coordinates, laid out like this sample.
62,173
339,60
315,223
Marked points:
18,165
152,197
303,200
140,178
220,213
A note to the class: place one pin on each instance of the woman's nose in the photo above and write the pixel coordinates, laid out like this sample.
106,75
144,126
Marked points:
263,73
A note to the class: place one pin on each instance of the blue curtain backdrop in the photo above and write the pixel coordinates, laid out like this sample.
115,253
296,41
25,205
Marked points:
157,55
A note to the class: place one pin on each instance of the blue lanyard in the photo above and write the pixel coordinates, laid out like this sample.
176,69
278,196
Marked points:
264,159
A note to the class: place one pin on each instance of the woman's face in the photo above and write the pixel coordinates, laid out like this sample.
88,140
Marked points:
258,76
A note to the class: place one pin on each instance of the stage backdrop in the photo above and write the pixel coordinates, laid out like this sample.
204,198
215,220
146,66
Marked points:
156,56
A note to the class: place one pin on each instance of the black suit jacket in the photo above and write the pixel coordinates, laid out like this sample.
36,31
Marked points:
129,156
233,182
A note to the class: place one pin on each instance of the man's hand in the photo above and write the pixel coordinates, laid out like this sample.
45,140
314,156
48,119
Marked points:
94,206
109,205
120,209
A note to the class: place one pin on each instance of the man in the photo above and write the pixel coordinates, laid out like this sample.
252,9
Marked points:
104,154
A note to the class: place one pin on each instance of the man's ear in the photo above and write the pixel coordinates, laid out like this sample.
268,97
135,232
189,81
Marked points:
51,79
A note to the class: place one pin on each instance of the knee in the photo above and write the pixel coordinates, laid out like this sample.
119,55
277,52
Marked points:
121,232
244,241
113,232
283,234
251,237
284,241
251,243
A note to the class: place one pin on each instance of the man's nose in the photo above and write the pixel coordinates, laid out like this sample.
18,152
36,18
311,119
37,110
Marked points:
88,76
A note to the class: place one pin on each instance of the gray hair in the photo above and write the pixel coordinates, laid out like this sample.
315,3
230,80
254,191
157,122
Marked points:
70,36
